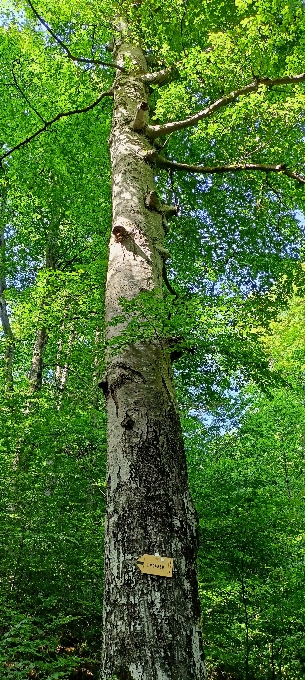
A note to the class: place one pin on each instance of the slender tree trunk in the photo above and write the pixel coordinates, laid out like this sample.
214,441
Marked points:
63,355
245,606
41,333
37,359
6,326
151,623
96,369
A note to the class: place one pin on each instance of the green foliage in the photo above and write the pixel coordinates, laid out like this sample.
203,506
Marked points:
52,504
249,493
248,487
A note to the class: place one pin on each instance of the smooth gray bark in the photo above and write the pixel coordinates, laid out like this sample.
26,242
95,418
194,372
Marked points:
151,623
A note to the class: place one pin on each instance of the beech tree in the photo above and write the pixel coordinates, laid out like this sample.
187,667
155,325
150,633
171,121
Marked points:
207,90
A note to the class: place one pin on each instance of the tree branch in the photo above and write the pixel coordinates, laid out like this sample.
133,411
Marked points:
166,75
65,47
219,169
154,131
48,123
168,283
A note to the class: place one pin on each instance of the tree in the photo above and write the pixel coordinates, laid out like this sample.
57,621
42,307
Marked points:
227,84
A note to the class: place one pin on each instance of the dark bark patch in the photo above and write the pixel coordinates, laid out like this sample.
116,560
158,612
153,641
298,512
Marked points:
103,385
128,422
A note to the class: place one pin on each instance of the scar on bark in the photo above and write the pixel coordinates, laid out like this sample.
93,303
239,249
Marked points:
128,422
104,386
140,118
113,389
126,375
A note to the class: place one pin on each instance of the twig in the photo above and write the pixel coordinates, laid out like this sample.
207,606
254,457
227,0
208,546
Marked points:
25,97
65,47
48,123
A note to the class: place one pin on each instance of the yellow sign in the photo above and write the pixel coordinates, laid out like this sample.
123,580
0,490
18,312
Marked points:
155,564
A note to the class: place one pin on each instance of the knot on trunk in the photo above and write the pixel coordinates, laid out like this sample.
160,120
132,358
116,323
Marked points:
120,233
152,202
163,252
170,211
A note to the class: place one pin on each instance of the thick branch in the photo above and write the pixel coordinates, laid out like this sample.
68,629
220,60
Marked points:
48,123
166,75
219,169
154,131
65,47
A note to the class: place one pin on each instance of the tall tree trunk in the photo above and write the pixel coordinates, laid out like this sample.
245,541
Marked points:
5,322
151,623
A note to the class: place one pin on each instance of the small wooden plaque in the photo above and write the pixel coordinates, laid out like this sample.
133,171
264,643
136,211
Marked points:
156,565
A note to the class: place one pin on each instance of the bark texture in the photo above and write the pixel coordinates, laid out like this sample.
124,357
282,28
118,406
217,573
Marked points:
151,623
